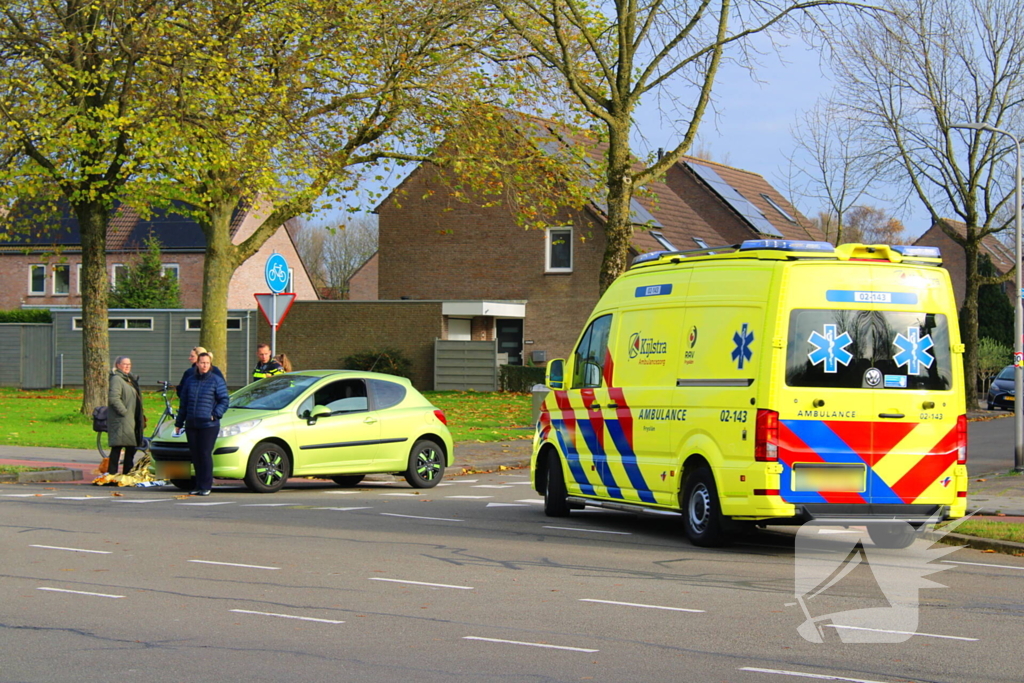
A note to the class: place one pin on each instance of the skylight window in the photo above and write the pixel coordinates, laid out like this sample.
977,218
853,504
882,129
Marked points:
737,201
778,208
702,244
660,239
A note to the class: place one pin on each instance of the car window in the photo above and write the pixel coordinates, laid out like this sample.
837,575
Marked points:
273,393
837,348
386,394
343,396
1007,373
591,354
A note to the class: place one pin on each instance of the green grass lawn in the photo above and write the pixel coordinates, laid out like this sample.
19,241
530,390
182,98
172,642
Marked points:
1001,531
50,418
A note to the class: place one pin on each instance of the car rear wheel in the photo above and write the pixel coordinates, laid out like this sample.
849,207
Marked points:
556,503
347,481
268,469
894,535
426,465
702,516
183,484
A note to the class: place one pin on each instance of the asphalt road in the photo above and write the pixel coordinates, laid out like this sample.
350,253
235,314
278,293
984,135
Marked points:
990,446
465,582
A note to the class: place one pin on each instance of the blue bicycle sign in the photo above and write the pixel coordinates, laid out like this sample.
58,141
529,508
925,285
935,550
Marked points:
277,273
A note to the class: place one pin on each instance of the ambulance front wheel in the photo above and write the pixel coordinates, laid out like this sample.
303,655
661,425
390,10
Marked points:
702,516
556,503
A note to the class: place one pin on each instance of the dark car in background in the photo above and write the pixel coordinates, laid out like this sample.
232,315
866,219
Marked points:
1000,394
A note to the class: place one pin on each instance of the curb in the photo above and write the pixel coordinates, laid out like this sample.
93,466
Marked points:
977,543
42,476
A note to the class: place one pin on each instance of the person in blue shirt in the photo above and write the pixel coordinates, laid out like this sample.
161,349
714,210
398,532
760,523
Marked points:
204,400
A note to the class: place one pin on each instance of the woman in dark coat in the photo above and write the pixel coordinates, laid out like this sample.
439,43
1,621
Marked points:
193,356
204,400
124,415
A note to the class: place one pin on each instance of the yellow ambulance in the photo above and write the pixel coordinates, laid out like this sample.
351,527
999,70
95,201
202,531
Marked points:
776,382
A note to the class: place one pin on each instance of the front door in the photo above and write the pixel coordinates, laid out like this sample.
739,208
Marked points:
344,441
510,339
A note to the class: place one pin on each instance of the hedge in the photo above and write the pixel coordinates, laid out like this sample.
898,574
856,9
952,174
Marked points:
519,378
26,315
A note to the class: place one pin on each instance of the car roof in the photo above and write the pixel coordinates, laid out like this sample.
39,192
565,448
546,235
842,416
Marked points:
354,374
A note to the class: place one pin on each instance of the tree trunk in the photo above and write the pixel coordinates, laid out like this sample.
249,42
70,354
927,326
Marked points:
218,268
618,224
92,222
969,322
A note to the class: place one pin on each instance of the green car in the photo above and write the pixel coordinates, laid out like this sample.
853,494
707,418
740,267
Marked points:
336,424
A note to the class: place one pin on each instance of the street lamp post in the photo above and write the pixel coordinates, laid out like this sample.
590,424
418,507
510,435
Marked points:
1018,311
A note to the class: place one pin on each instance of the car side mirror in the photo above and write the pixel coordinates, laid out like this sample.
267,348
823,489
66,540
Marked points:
555,373
317,413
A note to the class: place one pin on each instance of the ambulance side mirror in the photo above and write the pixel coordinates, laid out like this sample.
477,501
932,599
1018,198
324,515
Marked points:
555,374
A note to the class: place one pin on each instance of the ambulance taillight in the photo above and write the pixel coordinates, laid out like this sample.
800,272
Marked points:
766,436
961,440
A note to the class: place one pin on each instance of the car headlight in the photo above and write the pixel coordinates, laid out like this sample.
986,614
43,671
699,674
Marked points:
236,429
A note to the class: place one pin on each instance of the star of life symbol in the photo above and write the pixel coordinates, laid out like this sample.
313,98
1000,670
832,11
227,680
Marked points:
830,349
913,351
743,340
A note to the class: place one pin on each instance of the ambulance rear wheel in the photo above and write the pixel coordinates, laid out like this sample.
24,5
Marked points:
556,503
893,536
702,516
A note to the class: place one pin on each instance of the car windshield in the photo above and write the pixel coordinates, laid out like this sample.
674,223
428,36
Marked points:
837,348
1007,373
273,393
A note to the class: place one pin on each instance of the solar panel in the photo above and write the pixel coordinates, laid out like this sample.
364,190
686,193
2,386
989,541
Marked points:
733,198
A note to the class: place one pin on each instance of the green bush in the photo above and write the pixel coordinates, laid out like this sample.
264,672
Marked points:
519,378
27,315
387,360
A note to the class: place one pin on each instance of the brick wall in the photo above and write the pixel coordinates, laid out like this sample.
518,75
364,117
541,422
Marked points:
439,248
319,334
362,286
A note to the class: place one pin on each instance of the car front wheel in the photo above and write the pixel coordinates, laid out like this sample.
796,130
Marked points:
426,465
268,469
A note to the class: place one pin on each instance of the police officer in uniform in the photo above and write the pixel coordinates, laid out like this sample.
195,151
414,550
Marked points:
265,365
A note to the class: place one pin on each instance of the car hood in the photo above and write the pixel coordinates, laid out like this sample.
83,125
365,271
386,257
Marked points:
236,415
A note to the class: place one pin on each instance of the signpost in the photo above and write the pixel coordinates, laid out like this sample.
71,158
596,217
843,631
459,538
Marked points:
276,304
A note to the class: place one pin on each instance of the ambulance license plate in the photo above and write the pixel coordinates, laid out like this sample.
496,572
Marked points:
840,478
174,470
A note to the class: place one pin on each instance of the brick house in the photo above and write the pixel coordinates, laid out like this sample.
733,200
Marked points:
433,247
45,269
954,259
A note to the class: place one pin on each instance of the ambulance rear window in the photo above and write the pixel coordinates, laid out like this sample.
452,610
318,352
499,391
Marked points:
888,350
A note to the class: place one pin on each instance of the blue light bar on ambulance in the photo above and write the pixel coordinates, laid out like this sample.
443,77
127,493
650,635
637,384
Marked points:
788,245
907,250
649,256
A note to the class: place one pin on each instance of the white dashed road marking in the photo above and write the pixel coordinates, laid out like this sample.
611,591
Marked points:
80,498
518,642
266,505
232,564
288,616
493,486
344,509
62,590
142,500
74,550
421,583
535,501
216,502
471,497
979,564
340,493
592,531
507,505
26,495
400,494
905,633
802,674
635,604
436,519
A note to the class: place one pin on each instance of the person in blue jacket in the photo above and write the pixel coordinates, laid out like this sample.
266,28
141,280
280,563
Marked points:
204,400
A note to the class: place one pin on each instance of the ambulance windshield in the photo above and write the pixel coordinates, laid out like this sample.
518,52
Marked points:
868,349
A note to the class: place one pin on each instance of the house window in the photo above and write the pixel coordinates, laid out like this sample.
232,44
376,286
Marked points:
116,272
660,239
460,329
558,250
37,280
119,323
171,270
61,280
196,324
78,278
778,208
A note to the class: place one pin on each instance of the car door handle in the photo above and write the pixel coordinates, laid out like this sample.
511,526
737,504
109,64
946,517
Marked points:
612,406
373,420
891,416
594,406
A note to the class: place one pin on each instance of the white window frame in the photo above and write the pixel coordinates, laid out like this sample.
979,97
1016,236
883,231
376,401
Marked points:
56,268
113,273
171,267
547,250
233,324
78,278
31,270
663,241
76,324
